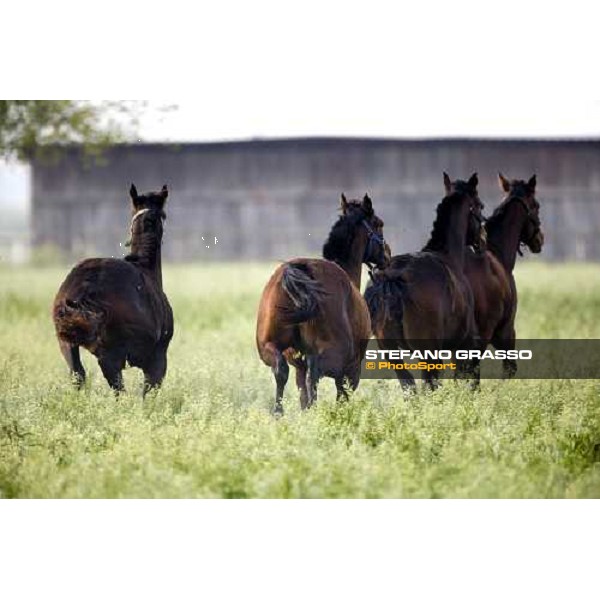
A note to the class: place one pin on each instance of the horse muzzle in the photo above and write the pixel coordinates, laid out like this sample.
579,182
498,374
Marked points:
537,242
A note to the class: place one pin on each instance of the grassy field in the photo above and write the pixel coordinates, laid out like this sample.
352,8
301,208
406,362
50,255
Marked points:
209,433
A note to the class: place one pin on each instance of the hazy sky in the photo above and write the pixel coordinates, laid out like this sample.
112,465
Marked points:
266,68
422,69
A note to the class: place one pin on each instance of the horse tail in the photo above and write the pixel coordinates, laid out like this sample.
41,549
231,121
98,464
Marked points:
76,323
384,300
304,292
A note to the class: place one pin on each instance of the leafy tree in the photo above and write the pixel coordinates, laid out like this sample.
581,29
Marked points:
29,127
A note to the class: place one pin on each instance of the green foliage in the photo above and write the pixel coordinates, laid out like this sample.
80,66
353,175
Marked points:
28,127
209,432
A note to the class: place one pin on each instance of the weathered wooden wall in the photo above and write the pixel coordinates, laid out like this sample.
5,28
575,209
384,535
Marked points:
278,198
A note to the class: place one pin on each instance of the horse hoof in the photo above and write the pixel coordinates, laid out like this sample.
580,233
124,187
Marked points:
277,410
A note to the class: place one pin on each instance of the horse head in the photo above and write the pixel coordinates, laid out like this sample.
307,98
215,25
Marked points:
522,193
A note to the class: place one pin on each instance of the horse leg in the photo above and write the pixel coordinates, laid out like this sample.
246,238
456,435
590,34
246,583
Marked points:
461,370
301,383
281,371
479,342
342,392
469,369
505,340
431,380
312,377
155,371
475,372
71,355
112,365
405,379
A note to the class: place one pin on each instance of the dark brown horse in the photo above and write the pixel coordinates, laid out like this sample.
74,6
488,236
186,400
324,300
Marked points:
423,301
116,308
311,313
516,222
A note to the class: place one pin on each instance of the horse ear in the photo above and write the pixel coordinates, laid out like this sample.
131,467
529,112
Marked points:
343,203
447,183
504,183
532,183
473,181
367,204
164,192
133,193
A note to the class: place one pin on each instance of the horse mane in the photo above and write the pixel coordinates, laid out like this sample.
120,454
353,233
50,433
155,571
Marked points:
339,243
146,243
439,232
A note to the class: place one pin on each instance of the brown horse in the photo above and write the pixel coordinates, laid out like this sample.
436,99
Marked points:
514,223
116,308
311,313
423,301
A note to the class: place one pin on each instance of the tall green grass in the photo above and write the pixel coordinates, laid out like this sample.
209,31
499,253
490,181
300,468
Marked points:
209,432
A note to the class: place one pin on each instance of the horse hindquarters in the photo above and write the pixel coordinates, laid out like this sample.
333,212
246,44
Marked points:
76,326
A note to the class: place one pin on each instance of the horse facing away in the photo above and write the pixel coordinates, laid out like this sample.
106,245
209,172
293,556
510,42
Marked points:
116,308
423,301
514,223
312,315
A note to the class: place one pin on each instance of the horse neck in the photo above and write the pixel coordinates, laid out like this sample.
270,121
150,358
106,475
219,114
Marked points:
353,264
454,234
503,237
147,250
